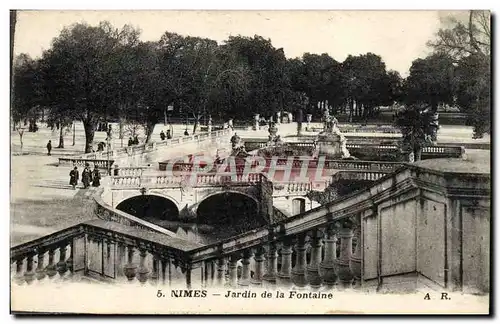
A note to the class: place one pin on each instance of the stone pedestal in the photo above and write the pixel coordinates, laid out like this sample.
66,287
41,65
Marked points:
257,118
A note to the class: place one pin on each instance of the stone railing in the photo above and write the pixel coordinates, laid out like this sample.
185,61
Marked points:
427,152
101,164
140,148
186,179
379,222
101,249
386,129
310,162
400,233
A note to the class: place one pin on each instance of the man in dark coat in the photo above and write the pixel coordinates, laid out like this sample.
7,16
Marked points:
96,177
162,135
130,141
73,177
136,140
169,135
186,133
86,177
49,147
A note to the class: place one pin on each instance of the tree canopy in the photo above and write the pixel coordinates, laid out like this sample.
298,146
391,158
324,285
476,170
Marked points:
99,73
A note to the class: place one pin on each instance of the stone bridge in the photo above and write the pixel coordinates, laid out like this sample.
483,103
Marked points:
188,191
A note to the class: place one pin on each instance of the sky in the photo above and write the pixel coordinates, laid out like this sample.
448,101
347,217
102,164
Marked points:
399,37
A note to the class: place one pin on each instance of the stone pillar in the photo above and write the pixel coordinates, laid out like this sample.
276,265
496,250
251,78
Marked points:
188,277
40,271
51,267
19,277
155,271
309,119
245,274
299,271
327,266
256,117
259,259
313,276
343,262
221,267
29,275
284,277
356,257
143,270
130,268
269,278
61,266
233,271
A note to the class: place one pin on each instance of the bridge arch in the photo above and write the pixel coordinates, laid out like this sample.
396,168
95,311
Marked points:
150,206
230,211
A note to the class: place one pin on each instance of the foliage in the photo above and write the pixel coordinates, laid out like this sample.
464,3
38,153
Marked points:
414,121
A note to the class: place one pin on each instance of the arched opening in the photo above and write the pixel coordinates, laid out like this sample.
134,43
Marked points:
229,214
298,206
150,207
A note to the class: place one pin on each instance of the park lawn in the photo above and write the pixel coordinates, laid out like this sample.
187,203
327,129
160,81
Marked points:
31,219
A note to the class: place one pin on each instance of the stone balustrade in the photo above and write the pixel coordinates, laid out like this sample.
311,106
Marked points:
128,151
388,236
186,178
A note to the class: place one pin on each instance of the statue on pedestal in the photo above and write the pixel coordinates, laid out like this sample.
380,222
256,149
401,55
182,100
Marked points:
237,146
331,142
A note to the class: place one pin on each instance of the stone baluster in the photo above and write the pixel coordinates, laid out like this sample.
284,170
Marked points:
143,271
313,276
221,269
51,267
299,271
130,268
40,271
343,262
245,273
153,279
356,258
259,259
283,278
62,266
233,271
269,277
163,266
69,261
19,277
29,275
327,266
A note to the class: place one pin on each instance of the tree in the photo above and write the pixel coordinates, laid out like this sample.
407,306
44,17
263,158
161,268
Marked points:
26,100
472,91
365,79
78,73
414,121
431,83
468,43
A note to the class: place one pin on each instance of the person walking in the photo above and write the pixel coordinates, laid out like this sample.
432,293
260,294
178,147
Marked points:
96,177
162,135
49,147
130,141
186,133
86,176
73,177
136,140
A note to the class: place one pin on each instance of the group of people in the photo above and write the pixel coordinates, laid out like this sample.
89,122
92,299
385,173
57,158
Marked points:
88,177
163,136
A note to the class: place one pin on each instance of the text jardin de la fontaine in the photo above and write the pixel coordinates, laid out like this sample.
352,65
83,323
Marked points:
249,294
